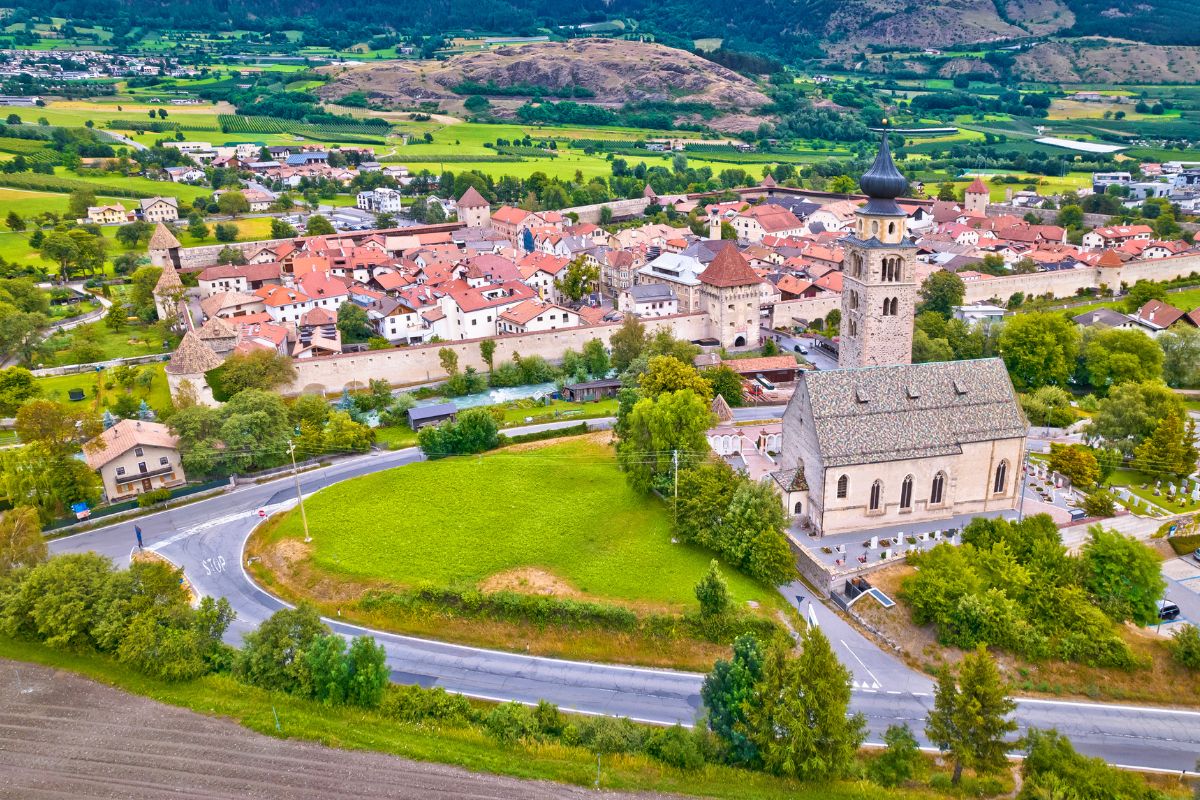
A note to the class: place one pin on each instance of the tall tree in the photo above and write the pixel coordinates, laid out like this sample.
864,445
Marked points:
799,716
21,540
1122,575
727,693
353,323
579,279
970,716
669,374
627,342
1039,349
1181,357
1116,356
487,351
1131,413
661,435
449,360
1170,450
941,292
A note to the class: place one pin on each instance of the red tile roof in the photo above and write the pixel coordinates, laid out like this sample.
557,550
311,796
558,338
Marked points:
729,268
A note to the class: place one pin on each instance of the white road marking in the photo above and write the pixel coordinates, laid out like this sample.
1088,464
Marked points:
874,681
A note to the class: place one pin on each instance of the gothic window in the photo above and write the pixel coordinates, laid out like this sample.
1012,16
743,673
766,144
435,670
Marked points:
843,486
853,328
895,305
853,300
938,489
887,307
876,495
906,493
1001,481
891,228
874,227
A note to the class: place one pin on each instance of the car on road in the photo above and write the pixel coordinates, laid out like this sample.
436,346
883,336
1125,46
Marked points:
1167,610
1196,555
801,349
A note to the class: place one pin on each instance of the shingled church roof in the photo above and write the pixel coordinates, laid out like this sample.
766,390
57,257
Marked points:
875,414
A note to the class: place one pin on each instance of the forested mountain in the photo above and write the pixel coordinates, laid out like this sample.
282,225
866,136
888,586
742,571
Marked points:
788,30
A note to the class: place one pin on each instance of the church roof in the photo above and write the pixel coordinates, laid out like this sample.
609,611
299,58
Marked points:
883,183
892,413
729,268
162,238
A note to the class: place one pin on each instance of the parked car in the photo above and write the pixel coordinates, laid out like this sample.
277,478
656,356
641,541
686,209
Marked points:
1167,610
801,349
1196,556
1077,514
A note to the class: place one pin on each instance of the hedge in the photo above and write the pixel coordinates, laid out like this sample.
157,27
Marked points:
54,183
1185,545
521,438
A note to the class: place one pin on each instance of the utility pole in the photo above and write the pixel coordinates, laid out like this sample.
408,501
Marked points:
675,469
299,494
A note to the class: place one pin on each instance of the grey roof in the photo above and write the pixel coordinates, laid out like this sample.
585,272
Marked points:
648,292
417,413
599,383
874,414
1101,316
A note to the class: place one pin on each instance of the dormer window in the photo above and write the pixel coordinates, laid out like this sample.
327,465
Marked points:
959,388
861,395
912,392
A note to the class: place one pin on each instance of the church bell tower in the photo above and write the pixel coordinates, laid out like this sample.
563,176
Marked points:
879,289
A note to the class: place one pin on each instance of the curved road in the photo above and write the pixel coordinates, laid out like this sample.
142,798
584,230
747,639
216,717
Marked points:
206,539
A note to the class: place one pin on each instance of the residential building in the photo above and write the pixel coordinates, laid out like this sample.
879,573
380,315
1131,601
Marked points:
159,209
135,456
648,300
107,215
534,315
379,201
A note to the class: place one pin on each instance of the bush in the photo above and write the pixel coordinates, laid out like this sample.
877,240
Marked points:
1185,545
607,735
427,706
899,761
1185,646
147,499
511,722
676,747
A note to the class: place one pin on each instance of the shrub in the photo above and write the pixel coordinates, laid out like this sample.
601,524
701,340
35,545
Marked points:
511,722
606,735
676,747
898,763
427,706
147,499
1185,646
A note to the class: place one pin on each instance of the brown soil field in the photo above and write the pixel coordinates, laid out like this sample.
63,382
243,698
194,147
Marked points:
63,736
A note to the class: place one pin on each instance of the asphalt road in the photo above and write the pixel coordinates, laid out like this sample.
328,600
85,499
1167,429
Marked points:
206,539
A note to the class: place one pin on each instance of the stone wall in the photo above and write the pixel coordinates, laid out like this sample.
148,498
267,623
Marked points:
621,209
785,312
402,366
1049,215
1065,283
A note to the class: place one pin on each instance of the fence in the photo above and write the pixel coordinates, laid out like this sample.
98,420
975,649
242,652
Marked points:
76,369
131,505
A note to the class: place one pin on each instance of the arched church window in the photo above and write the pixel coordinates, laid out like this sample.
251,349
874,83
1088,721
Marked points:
1001,482
906,492
887,305
891,229
876,495
853,328
895,306
937,491
874,227
843,486
853,300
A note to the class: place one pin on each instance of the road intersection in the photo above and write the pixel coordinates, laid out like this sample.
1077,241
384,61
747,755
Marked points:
206,540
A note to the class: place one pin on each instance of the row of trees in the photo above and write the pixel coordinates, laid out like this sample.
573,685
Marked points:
1013,585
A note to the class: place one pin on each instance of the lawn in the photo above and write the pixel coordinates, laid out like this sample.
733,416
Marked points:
133,340
526,412
99,395
563,509
1133,480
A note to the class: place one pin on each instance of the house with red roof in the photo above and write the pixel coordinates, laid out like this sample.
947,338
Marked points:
533,315
469,312
1114,235
767,219
284,303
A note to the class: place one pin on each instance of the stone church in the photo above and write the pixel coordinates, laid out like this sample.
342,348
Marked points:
881,441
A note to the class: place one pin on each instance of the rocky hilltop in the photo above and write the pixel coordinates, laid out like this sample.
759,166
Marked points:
604,67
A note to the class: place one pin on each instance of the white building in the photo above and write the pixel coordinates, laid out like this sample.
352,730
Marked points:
379,201
649,300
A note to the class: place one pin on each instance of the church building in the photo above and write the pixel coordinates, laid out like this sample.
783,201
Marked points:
881,441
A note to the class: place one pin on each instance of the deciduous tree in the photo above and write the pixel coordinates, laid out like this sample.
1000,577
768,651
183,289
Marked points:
1039,349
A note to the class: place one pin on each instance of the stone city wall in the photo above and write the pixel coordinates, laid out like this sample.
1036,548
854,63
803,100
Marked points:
785,313
1065,283
621,209
401,366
